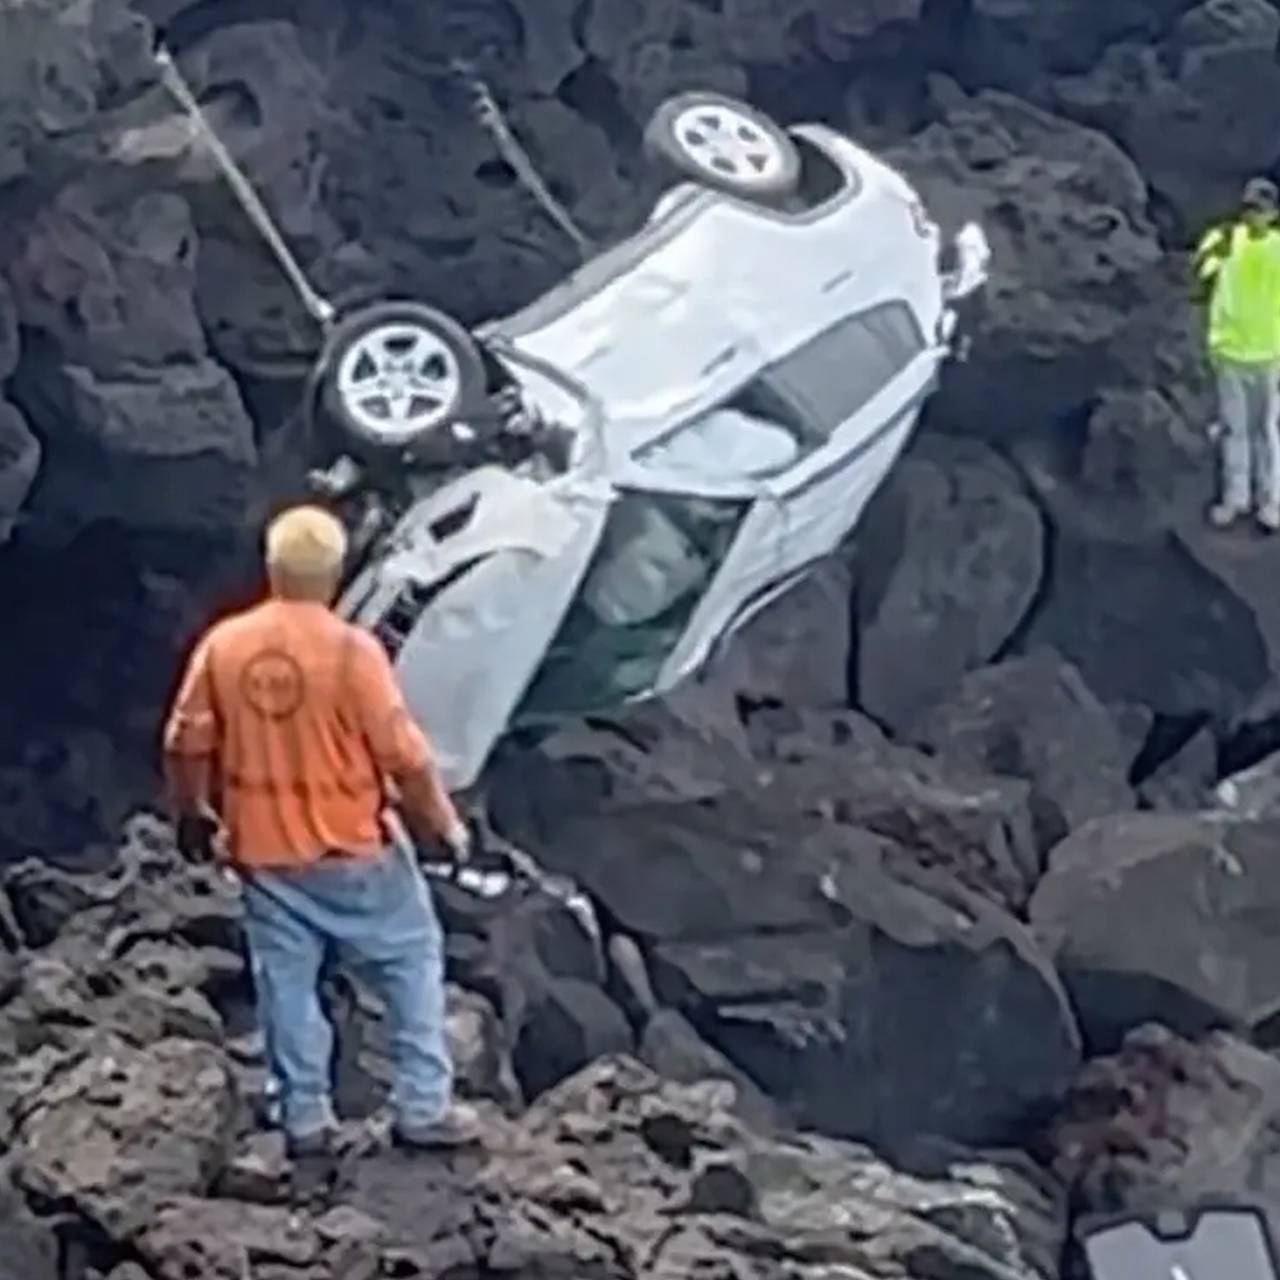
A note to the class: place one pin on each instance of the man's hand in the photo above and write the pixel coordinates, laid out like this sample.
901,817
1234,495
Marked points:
202,837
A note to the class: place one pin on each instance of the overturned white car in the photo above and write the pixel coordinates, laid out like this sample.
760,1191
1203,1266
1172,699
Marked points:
708,405
572,507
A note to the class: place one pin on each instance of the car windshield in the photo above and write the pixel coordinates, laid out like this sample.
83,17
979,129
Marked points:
658,553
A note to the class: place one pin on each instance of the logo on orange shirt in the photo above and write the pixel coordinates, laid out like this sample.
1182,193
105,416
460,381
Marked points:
272,684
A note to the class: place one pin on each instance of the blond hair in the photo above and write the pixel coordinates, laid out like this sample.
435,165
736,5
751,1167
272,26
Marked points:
305,552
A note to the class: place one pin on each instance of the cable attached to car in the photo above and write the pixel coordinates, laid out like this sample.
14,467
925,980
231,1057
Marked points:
320,308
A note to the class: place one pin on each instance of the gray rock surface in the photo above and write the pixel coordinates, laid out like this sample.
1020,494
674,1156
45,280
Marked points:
1172,1121
950,558
1163,917
1035,718
141,1135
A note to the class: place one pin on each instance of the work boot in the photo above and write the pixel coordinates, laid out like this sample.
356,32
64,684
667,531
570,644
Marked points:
310,1143
458,1127
1224,514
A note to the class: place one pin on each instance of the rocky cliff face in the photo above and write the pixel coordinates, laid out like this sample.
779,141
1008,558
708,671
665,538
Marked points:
941,826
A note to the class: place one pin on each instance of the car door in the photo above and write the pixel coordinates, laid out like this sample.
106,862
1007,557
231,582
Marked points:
860,386
850,396
468,597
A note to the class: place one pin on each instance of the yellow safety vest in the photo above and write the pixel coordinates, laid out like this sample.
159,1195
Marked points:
1244,306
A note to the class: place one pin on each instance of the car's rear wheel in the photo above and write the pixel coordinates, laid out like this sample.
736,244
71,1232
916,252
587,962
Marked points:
394,374
724,143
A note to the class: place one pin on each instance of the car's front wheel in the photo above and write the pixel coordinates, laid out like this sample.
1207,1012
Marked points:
721,142
394,374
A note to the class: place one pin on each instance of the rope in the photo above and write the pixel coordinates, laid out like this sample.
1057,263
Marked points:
319,308
491,119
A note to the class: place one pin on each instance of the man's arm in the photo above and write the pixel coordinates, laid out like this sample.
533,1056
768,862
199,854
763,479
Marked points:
192,735
401,750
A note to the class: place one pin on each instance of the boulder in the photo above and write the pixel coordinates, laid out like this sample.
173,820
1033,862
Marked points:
616,1173
1205,73
569,1024
9,336
1077,300
1034,718
797,650
793,764
193,1237
1163,918
20,454
1214,655
1185,781
974,824
671,1047
950,558
1013,44
794,947
119,1130
1171,1121
31,1247
169,450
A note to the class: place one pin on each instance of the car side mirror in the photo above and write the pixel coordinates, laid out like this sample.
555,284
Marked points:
973,263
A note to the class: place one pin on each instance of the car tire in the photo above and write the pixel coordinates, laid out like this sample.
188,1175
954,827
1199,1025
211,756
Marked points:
721,142
394,374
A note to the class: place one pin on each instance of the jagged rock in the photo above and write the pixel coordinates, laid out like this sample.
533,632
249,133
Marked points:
110,282
481,1063
795,947
44,899
951,556
797,650
20,454
190,1237
258,1172
139,425
1163,918
1205,74
117,1130
267,96
822,765
9,336
1077,299
56,71
569,1024
88,788
169,450
606,1174
975,825
1035,718
1146,452
1166,1121
1013,43
671,1048
1184,782
1214,656
30,1246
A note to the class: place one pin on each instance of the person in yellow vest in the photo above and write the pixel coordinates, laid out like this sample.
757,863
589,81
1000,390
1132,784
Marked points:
1237,273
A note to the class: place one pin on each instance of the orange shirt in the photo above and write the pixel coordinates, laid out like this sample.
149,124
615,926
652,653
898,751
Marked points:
303,719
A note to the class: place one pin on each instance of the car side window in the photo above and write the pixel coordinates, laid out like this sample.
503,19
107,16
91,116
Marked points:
830,377
655,560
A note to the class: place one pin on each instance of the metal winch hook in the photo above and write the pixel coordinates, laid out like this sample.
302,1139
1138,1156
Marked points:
319,307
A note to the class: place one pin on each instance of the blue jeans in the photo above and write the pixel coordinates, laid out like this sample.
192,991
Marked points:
377,918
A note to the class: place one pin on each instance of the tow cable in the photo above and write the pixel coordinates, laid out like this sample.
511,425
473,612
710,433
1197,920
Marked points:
320,308
487,112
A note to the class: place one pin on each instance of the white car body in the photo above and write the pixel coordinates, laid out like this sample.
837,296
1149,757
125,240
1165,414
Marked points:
535,597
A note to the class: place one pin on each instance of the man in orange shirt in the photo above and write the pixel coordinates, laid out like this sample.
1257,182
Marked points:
286,740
